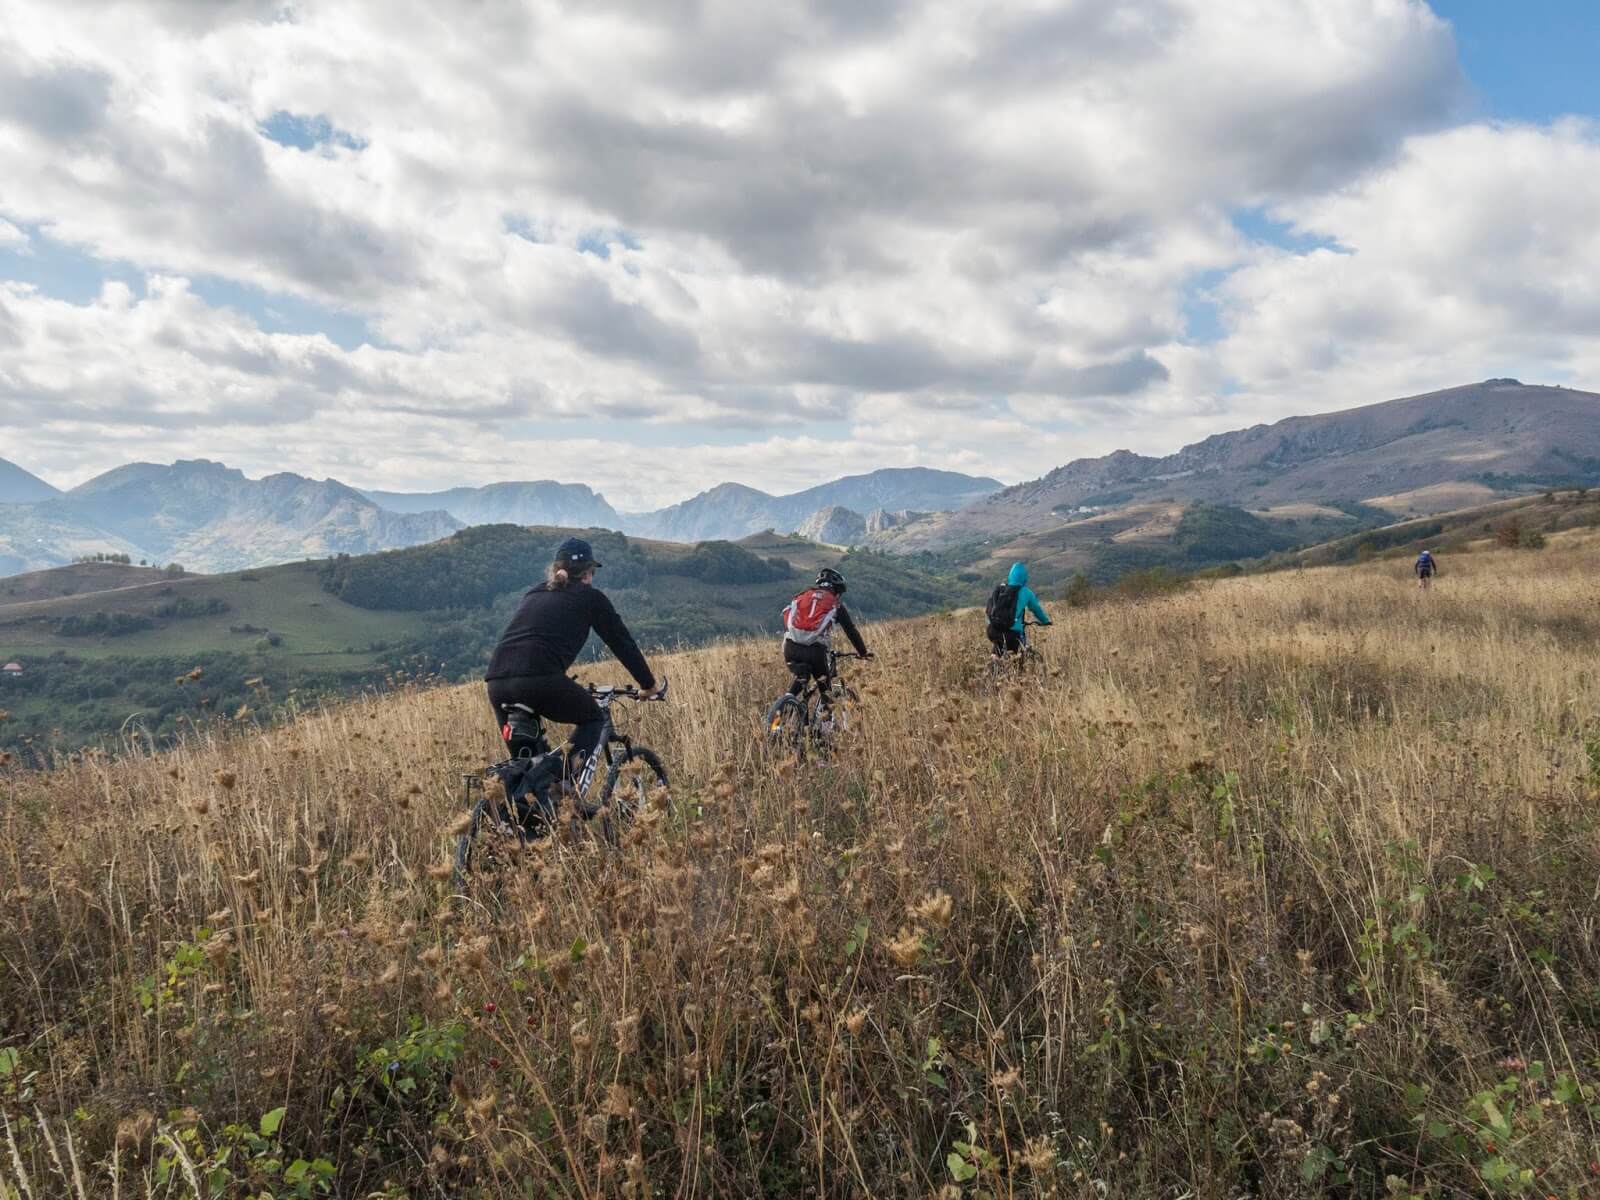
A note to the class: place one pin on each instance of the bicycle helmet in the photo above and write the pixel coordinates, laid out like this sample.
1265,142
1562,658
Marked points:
830,579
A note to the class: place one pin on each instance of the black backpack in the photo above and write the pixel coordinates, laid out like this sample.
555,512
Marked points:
1002,608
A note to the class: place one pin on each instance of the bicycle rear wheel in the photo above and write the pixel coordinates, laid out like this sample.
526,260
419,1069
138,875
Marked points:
786,727
496,833
627,790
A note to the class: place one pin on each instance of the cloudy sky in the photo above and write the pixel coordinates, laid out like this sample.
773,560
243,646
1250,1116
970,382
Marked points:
652,246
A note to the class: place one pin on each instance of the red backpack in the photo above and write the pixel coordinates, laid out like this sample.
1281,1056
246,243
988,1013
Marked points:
810,615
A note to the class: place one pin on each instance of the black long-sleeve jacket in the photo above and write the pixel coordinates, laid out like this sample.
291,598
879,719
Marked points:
550,627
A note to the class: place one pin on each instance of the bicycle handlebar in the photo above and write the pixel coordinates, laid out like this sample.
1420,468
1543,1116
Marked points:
631,692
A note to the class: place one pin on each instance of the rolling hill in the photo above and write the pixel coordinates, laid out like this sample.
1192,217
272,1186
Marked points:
101,643
1280,886
1415,455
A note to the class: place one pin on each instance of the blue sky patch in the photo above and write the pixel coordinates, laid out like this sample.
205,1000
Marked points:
598,242
1202,316
1258,227
279,312
307,133
61,272
1532,60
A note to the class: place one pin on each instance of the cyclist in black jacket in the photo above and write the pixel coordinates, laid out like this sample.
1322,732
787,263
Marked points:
530,663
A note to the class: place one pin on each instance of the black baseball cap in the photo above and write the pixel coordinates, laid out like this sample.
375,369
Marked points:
575,552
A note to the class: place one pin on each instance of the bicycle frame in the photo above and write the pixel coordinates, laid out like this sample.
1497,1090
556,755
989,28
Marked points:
604,697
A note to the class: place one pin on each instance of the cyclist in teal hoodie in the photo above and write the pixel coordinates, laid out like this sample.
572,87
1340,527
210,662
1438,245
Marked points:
1009,606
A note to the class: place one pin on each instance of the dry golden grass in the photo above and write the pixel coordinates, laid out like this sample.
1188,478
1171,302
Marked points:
1283,886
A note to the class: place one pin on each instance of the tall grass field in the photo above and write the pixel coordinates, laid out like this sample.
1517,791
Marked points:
1286,885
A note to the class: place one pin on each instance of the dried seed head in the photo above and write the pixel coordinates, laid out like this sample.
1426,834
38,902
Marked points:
628,1034
905,949
618,1102
133,1132
936,908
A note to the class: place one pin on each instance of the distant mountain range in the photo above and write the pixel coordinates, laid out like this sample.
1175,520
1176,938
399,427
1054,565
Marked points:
542,503
1424,454
206,516
732,510
210,517
19,487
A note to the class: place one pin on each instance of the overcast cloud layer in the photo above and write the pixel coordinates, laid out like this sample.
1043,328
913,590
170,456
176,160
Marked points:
654,246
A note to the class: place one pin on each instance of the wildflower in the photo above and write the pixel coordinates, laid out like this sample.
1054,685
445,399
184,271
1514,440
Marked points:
856,1021
1005,1081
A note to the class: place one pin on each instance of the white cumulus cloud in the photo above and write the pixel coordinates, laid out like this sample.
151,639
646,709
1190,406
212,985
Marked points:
652,246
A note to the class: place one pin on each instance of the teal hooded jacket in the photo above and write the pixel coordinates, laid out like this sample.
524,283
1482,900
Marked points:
1026,601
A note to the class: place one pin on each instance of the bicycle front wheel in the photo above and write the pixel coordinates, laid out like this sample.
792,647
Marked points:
627,789
844,708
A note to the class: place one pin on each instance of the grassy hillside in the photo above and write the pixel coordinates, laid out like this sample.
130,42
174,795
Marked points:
98,662
1281,886
1465,530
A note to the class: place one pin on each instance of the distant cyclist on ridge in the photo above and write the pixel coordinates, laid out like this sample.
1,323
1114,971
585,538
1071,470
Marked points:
1008,608
1425,568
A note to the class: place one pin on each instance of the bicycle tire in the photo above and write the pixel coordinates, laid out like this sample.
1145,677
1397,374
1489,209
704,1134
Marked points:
617,810
506,824
486,833
786,726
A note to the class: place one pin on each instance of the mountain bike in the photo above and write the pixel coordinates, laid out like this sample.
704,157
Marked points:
1025,662
815,717
526,807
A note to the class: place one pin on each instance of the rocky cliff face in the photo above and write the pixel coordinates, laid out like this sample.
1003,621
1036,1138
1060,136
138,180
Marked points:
834,526
541,502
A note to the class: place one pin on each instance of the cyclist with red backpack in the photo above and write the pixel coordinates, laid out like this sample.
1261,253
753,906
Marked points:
1008,607
808,625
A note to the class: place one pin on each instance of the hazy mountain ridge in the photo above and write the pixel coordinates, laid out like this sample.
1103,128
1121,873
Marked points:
732,510
208,517
1499,432
537,502
18,486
